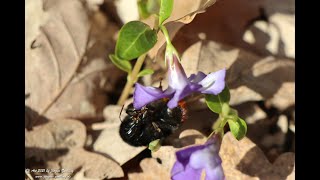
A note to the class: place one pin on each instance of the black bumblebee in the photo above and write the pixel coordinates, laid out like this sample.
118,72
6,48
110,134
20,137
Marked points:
151,122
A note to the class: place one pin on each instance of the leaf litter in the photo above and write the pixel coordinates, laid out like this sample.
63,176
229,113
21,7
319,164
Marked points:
71,83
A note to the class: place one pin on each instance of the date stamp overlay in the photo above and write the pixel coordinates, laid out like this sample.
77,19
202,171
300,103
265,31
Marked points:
48,174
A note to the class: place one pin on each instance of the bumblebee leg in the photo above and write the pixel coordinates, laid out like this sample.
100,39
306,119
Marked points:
156,127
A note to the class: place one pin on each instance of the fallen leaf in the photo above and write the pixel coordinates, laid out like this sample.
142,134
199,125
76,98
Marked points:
50,66
94,165
265,27
277,138
54,73
183,13
285,96
240,159
80,176
249,77
275,37
221,22
251,112
281,16
182,10
95,77
45,141
244,160
151,170
34,17
94,5
109,141
167,153
127,10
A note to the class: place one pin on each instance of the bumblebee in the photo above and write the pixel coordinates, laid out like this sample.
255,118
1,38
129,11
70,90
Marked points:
151,122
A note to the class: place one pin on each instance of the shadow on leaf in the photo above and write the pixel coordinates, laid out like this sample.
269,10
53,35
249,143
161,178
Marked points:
32,118
254,163
44,155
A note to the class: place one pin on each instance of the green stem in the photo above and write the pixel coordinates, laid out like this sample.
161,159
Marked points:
133,77
170,49
156,25
220,128
166,34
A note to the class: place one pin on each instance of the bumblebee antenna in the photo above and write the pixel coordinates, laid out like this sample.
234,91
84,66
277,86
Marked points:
121,113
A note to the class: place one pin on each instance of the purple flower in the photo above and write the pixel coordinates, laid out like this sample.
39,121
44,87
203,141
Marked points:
179,85
192,161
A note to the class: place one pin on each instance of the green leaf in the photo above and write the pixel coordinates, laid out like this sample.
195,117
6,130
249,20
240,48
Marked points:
154,145
166,7
215,102
238,128
148,7
135,39
145,72
121,64
142,8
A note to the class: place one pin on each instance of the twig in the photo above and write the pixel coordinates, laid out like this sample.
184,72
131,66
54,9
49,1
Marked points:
101,126
133,78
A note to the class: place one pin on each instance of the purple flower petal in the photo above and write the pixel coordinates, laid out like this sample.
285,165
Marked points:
197,78
180,94
143,95
205,159
179,172
176,75
215,174
179,85
193,160
214,83
183,155
202,158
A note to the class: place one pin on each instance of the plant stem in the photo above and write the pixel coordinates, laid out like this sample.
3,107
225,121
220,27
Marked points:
166,34
156,25
220,129
133,76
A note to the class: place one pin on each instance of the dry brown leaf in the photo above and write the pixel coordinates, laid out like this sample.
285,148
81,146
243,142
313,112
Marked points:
67,72
34,17
237,26
278,138
182,10
93,5
251,112
80,176
167,153
45,142
183,13
222,22
244,160
127,10
241,159
95,77
109,141
250,77
94,165
151,170
54,56
276,35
